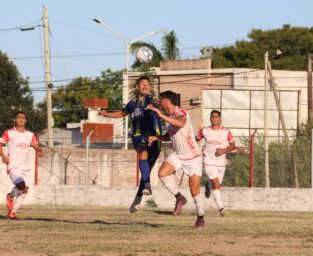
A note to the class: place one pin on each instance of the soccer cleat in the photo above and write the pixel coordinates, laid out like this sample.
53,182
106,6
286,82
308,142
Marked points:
222,212
180,202
200,222
11,215
147,190
135,205
207,190
9,202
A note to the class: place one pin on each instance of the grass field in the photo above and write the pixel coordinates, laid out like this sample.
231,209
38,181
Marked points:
91,231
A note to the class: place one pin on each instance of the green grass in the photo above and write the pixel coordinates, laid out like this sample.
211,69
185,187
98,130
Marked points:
69,230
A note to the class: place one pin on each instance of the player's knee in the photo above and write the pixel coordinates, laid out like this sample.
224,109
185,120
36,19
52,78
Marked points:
194,191
215,184
141,150
21,185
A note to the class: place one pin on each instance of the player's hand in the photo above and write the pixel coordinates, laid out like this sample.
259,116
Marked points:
151,139
156,110
219,151
5,160
40,154
102,112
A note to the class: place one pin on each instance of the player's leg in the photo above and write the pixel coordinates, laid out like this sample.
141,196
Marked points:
166,171
221,173
153,154
140,144
213,174
16,197
193,168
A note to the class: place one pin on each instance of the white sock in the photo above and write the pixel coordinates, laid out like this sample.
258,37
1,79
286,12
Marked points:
18,202
199,202
169,183
15,191
218,198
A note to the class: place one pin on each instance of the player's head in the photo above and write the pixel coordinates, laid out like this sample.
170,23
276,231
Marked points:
20,119
168,99
216,117
143,85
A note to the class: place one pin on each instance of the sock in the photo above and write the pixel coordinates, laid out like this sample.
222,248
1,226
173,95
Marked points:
15,191
144,170
199,204
18,202
218,198
169,183
140,188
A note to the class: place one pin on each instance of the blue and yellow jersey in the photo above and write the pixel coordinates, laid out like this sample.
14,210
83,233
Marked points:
144,121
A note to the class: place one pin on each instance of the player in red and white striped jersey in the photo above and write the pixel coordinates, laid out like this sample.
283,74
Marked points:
218,141
18,141
186,154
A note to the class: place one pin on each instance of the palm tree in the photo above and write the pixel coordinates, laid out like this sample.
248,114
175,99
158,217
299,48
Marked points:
169,46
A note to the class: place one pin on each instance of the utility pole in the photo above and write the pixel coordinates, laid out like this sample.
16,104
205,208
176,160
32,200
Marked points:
266,157
48,76
310,105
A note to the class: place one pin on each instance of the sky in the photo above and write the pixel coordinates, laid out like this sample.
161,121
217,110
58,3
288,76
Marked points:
74,35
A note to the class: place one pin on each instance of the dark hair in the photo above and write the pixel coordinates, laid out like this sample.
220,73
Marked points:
19,112
142,78
217,112
170,95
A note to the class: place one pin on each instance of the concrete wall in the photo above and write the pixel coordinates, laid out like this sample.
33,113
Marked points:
115,184
273,199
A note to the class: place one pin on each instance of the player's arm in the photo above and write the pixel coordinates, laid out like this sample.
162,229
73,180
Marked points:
164,137
38,149
5,159
232,146
199,135
221,151
34,143
3,141
115,114
177,122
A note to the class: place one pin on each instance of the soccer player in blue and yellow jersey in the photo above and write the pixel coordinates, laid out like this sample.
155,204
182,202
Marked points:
145,123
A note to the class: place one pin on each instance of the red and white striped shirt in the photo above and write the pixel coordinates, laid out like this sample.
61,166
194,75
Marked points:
18,144
215,139
184,143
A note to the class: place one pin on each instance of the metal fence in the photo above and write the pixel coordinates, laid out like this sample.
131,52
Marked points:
108,164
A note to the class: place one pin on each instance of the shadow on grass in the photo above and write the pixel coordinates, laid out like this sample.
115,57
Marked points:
101,222
162,212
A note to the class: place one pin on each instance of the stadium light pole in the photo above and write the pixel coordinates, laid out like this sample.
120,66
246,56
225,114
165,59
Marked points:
128,44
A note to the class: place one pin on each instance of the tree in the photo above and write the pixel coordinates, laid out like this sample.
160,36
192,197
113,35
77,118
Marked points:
170,49
16,96
68,100
295,43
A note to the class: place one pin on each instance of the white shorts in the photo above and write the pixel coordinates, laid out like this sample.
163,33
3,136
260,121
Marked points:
18,176
190,167
215,172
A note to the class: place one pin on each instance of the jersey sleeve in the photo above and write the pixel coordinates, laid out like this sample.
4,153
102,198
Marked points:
5,137
230,137
127,109
34,140
181,114
200,134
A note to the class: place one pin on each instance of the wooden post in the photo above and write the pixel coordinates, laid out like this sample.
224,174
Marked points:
310,105
266,157
283,124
